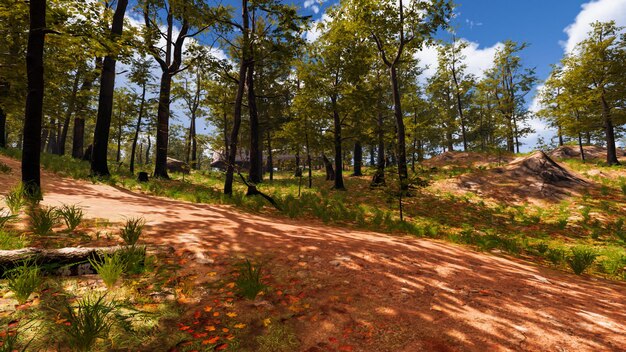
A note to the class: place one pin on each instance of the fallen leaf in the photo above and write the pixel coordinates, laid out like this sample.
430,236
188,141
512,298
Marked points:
231,314
212,273
184,328
208,309
216,314
230,285
210,328
221,347
211,340
267,322
196,314
240,326
200,335
346,348
225,329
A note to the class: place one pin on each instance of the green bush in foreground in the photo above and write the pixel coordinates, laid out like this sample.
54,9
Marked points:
581,258
24,280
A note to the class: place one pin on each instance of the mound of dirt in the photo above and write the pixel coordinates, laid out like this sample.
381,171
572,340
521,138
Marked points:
591,152
466,159
533,176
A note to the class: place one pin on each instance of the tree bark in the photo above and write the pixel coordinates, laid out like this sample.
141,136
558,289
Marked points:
57,258
401,146
118,155
99,165
611,151
137,129
163,126
31,155
78,137
379,175
358,159
270,155
71,107
330,173
3,131
255,174
337,141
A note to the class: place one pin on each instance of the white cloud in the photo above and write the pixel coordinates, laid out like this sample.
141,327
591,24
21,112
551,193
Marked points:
312,34
477,59
313,4
597,10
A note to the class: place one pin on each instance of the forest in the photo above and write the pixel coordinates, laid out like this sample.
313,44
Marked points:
265,175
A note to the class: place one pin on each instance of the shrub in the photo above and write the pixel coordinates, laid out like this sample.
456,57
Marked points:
279,338
72,216
4,168
555,255
581,258
10,240
132,230
110,268
43,219
91,319
6,216
24,280
248,282
134,259
15,199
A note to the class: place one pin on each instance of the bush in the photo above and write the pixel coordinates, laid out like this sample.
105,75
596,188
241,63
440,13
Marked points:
10,240
24,280
248,282
134,259
15,199
89,320
132,230
581,258
72,216
110,268
4,168
555,255
43,219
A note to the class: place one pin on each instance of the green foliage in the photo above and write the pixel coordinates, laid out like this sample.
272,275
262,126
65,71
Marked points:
132,230
581,258
10,339
11,240
5,217
72,215
87,321
555,255
585,213
43,219
110,268
248,283
15,199
134,259
23,280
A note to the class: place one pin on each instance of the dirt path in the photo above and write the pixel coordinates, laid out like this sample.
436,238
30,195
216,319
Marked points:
411,294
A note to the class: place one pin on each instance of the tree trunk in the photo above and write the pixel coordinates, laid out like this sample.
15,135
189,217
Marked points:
358,159
34,100
71,106
194,143
52,137
560,135
255,174
118,156
137,130
99,165
148,150
379,175
270,155
580,146
78,137
611,151
3,131
309,162
243,68
337,141
401,146
163,126
330,173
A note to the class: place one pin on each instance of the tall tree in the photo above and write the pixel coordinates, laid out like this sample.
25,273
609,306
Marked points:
398,29
99,164
34,100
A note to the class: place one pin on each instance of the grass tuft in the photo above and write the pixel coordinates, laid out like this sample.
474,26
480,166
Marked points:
248,283
24,280
43,219
72,216
132,230
581,258
110,268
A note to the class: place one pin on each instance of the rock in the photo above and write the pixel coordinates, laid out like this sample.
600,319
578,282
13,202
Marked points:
174,165
334,262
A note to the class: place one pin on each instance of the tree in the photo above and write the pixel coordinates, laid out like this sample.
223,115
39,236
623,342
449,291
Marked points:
34,100
99,165
398,30
141,76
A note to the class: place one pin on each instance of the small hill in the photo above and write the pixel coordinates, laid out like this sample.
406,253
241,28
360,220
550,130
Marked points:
591,152
466,159
534,176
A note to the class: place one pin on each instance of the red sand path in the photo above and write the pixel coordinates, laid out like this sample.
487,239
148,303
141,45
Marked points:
418,294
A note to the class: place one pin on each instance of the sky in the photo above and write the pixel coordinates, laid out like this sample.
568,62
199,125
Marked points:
550,27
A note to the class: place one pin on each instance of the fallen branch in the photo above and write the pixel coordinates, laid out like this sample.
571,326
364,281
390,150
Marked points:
252,190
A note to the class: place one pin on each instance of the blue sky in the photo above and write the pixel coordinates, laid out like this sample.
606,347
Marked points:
550,27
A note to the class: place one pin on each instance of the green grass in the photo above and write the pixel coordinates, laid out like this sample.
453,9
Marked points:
23,280
15,199
248,283
581,258
278,338
11,240
90,319
72,216
43,219
132,230
110,268
5,217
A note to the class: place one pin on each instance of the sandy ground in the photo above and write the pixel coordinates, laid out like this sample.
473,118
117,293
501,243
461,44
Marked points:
405,294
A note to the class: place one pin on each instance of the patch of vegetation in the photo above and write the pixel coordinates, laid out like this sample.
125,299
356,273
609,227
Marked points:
248,283
72,215
581,258
5,217
23,280
43,219
4,168
15,199
110,268
134,259
11,240
278,338
132,230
